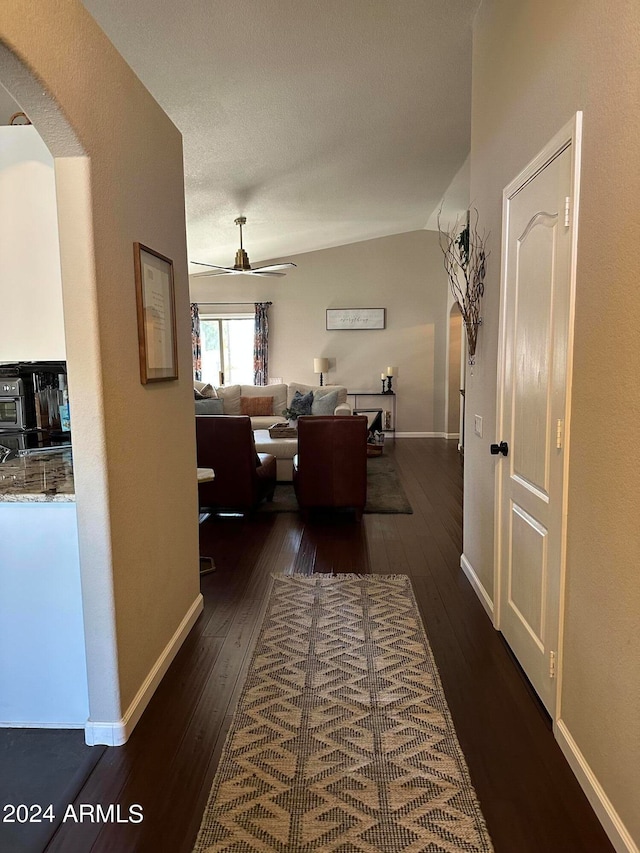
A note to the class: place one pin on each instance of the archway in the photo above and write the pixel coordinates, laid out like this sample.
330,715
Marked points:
80,667
119,176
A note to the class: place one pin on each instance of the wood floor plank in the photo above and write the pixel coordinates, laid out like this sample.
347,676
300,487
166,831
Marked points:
531,800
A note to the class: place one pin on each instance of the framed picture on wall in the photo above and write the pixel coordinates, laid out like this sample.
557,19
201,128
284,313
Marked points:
355,318
156,307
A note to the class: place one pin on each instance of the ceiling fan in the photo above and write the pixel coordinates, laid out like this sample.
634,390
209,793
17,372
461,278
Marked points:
242,265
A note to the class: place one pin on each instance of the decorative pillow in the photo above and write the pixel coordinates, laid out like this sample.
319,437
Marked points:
301,403
204,391
324,404
256,406
231,396
318,391
209,406
278,392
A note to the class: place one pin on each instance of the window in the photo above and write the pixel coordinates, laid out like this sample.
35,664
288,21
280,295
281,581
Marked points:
227,349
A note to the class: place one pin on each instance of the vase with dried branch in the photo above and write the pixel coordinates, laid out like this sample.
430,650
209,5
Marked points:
465,256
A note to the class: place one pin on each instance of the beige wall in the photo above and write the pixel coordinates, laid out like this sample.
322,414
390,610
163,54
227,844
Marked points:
453,375
535,63
403,274
134,446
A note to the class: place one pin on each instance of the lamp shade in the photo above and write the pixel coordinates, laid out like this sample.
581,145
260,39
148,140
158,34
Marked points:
320,365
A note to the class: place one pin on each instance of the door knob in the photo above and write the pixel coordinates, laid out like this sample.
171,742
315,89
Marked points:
503,448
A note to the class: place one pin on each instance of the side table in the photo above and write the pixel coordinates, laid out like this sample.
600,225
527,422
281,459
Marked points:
379,402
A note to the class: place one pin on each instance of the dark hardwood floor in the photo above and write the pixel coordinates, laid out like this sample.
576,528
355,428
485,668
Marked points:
530,798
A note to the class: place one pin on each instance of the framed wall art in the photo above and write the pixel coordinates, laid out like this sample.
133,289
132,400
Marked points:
156,306
355,318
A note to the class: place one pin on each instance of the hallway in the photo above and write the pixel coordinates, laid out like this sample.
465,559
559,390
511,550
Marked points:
531,801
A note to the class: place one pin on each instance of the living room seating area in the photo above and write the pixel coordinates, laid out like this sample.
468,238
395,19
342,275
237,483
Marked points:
234,439
265,404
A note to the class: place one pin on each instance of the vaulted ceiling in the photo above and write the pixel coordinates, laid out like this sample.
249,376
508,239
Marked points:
324,122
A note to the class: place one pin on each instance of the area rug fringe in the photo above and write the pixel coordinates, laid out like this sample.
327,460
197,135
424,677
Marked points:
326,578
342,739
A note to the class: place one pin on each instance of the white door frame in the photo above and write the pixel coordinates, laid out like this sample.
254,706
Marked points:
570,135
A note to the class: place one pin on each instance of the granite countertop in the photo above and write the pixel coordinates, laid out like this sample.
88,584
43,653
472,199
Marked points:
38,477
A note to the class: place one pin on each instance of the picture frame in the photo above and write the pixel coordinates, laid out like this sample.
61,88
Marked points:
156,310
356,318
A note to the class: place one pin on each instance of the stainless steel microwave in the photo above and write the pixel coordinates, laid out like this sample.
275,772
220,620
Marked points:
14,407
29,394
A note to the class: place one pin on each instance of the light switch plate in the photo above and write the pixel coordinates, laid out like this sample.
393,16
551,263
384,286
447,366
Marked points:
477,425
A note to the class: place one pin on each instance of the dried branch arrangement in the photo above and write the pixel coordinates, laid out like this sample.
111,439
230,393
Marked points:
465,259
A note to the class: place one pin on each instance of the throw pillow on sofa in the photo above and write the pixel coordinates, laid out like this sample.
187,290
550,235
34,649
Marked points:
324,404
255,406
203,390
318,390
209,406
278,392
231,396
301,403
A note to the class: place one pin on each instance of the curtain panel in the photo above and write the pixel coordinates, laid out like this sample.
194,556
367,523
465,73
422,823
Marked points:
196,344
261,344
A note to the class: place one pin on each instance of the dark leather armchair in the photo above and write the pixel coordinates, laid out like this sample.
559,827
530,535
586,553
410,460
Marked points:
330,469
242,476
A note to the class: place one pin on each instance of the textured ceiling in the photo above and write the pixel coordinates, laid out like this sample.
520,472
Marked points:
322,121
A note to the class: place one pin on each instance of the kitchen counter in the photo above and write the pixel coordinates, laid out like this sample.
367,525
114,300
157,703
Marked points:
43,667
43,674
41,477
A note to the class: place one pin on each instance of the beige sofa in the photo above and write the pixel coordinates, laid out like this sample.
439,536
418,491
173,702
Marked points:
237,400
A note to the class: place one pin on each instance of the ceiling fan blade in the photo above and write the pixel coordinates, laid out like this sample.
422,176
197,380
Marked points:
219,271
211,266
226,271
273,267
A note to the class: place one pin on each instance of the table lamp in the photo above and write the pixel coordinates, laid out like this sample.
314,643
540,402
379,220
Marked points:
320,365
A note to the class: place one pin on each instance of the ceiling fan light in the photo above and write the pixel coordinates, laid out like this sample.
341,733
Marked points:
242,261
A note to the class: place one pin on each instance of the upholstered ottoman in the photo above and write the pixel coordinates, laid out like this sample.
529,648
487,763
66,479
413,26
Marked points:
284,449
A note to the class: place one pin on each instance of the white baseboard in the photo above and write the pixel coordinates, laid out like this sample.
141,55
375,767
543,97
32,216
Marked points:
451,435
8,724
475,582
421,435
117,733
601,804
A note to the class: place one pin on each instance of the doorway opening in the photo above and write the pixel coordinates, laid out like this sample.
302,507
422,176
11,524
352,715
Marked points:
21,91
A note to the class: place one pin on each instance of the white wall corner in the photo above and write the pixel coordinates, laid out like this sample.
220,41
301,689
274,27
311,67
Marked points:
476,583
601,804
455,202
118,732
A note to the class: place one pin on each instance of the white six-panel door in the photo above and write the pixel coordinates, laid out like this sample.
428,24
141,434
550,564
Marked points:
538,253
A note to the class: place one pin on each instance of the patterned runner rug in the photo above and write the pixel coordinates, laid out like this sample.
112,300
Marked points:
342,741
